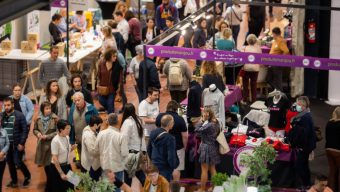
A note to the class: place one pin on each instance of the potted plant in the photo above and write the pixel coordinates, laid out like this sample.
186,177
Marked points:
257,164
235,183
218,179
87,184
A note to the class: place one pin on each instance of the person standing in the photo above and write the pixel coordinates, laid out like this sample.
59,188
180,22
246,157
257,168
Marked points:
45,129
279,47
60,164
209,156
55,98
123,26
52,68
148,110
89,159
109,41
62,26
150,31
118,37
152,78
132,130
112,147
162,148
333,149
163,11
23,104
302,137
14,123
180,132
179,77
109,77
251,71
256,18
211,76
4,147
79,23
77,86
56,35
234,16
134,68
135,36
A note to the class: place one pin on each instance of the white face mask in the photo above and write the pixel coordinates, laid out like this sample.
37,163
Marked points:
298,108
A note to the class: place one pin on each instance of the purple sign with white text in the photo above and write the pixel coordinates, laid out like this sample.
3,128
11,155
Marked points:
242,57
59,3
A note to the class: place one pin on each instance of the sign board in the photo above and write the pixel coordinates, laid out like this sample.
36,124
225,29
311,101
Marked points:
246,150
74,5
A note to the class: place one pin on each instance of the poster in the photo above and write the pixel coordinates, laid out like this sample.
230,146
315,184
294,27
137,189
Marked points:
5,31
33,22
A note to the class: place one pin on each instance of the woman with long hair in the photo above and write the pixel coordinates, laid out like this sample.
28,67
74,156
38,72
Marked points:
333,149
122,7
211,76
209,156
109,41
200,37
54,96
108,77
132,129
45,129
150,31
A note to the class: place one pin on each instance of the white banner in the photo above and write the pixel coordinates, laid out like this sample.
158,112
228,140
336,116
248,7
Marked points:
77,5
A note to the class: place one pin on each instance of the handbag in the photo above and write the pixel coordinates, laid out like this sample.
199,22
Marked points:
136,161
103,90
223,146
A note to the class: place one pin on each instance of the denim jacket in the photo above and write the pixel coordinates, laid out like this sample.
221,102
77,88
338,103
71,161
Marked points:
27,108
4,141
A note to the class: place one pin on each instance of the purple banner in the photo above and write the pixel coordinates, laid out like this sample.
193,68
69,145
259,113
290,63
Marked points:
242,57
58,3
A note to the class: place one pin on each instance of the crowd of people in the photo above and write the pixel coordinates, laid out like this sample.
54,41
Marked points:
147,144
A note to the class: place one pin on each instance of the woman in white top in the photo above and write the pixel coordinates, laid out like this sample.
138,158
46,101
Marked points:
234,16
132,130
134,67
60,149
251,71
109,41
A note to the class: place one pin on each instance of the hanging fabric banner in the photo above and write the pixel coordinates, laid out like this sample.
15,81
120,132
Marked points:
243,57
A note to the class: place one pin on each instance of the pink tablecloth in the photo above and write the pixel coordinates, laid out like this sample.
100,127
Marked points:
234,95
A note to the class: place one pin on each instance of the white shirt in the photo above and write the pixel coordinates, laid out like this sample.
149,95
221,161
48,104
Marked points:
61,147
112,148
233,14
89,157
134,67
153,188
123,28
130,131
146,109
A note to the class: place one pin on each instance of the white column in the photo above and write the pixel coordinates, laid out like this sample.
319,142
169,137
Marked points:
334,53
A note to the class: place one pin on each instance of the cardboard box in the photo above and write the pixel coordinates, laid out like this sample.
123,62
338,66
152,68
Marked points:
61,47
33,38
27,47
4,52
6,45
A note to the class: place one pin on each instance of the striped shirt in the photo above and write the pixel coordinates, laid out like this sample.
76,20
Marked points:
8,125
52,70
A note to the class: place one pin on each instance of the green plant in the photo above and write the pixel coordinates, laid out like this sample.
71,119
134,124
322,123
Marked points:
87,184
219,178
257,164
235,184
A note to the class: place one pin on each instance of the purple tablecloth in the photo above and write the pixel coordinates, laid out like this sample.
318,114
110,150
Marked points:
234,95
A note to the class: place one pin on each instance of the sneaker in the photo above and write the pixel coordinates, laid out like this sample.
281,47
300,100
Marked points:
12,185
26,182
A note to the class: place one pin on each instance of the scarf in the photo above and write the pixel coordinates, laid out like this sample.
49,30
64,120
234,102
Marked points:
45,121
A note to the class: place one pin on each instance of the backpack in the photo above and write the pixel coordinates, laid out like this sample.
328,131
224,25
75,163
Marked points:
175,74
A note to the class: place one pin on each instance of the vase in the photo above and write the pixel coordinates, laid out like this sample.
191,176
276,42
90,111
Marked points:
218,189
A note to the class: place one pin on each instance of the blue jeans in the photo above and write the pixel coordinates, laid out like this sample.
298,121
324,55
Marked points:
119,175
108,102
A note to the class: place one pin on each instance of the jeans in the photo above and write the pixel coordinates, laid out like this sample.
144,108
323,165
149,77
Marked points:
14,158
2,170
95,174
108,102
252,77
119,175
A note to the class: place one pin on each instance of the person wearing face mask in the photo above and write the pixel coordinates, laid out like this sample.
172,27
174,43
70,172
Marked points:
77,86
89,158
302,137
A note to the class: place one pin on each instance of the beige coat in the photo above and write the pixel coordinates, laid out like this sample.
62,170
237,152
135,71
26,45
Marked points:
43,152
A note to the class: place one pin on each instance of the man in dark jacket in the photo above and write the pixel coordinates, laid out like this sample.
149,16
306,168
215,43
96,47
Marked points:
15,124
302,137
152,79
180,132
162,148
77,85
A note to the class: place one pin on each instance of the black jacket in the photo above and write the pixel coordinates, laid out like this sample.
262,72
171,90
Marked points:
55,34
155,32
20,132
194,99
209,79
119,41
200,38
152,79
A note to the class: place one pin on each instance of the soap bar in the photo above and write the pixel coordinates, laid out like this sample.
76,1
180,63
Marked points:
33,38
6,45
28,47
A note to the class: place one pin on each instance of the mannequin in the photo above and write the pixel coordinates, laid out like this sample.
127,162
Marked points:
277,104
214,98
